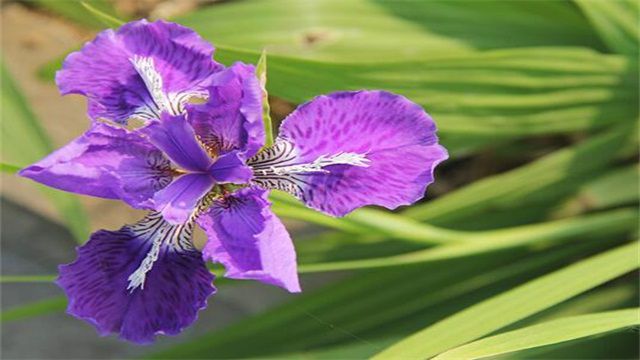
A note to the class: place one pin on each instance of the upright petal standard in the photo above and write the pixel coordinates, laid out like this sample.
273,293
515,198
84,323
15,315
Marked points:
205,163
139,71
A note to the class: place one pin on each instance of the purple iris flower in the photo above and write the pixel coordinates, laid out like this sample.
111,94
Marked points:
178,134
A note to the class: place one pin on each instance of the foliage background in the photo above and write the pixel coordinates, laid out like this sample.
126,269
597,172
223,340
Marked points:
526,246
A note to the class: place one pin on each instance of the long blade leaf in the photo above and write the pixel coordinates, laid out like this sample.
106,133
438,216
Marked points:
547,333
24,142
516,304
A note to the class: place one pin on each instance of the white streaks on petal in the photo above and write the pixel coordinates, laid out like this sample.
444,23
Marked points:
153,80
162,235
278,167
172,102
319,165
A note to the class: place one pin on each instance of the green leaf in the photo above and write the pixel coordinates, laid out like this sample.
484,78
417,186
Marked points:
77,11
25,142
616,345
388,30
616,22
546,179
27,278
523,301
261,72
614,188
613,222
610,297
106,19
8,168
39,308
502,93
366,221
547,333
377,304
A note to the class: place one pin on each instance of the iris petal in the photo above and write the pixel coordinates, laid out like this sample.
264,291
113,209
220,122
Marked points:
176,286
106,162
349,149
249,240
110,69
177,201
232,118
176,138
230,168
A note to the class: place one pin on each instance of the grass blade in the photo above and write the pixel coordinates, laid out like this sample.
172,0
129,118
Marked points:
547,333
72,10
616,22
613,222
367,221
106,19
9,169
19,279
615,188
261,72
42,307
24,142
545,179
513,305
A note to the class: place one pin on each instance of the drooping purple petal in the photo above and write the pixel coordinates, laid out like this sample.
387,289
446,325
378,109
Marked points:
232,118
139,69
177,201
139,281
106,162
176,138
231,168
349,149
249,240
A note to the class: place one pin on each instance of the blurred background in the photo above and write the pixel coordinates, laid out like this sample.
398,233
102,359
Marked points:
533,219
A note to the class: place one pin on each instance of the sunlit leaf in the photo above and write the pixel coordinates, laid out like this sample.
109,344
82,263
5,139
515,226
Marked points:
547,333
480,242
8,168
261,73
376,305
616,22
525,300
380,30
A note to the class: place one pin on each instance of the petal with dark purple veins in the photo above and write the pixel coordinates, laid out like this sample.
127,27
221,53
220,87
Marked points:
139,70
232,118
107,162
249,240
139,281
349,149
177,201
176,138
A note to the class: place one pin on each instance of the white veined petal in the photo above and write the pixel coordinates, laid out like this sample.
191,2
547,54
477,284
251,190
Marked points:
278,167
172,103
162,234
